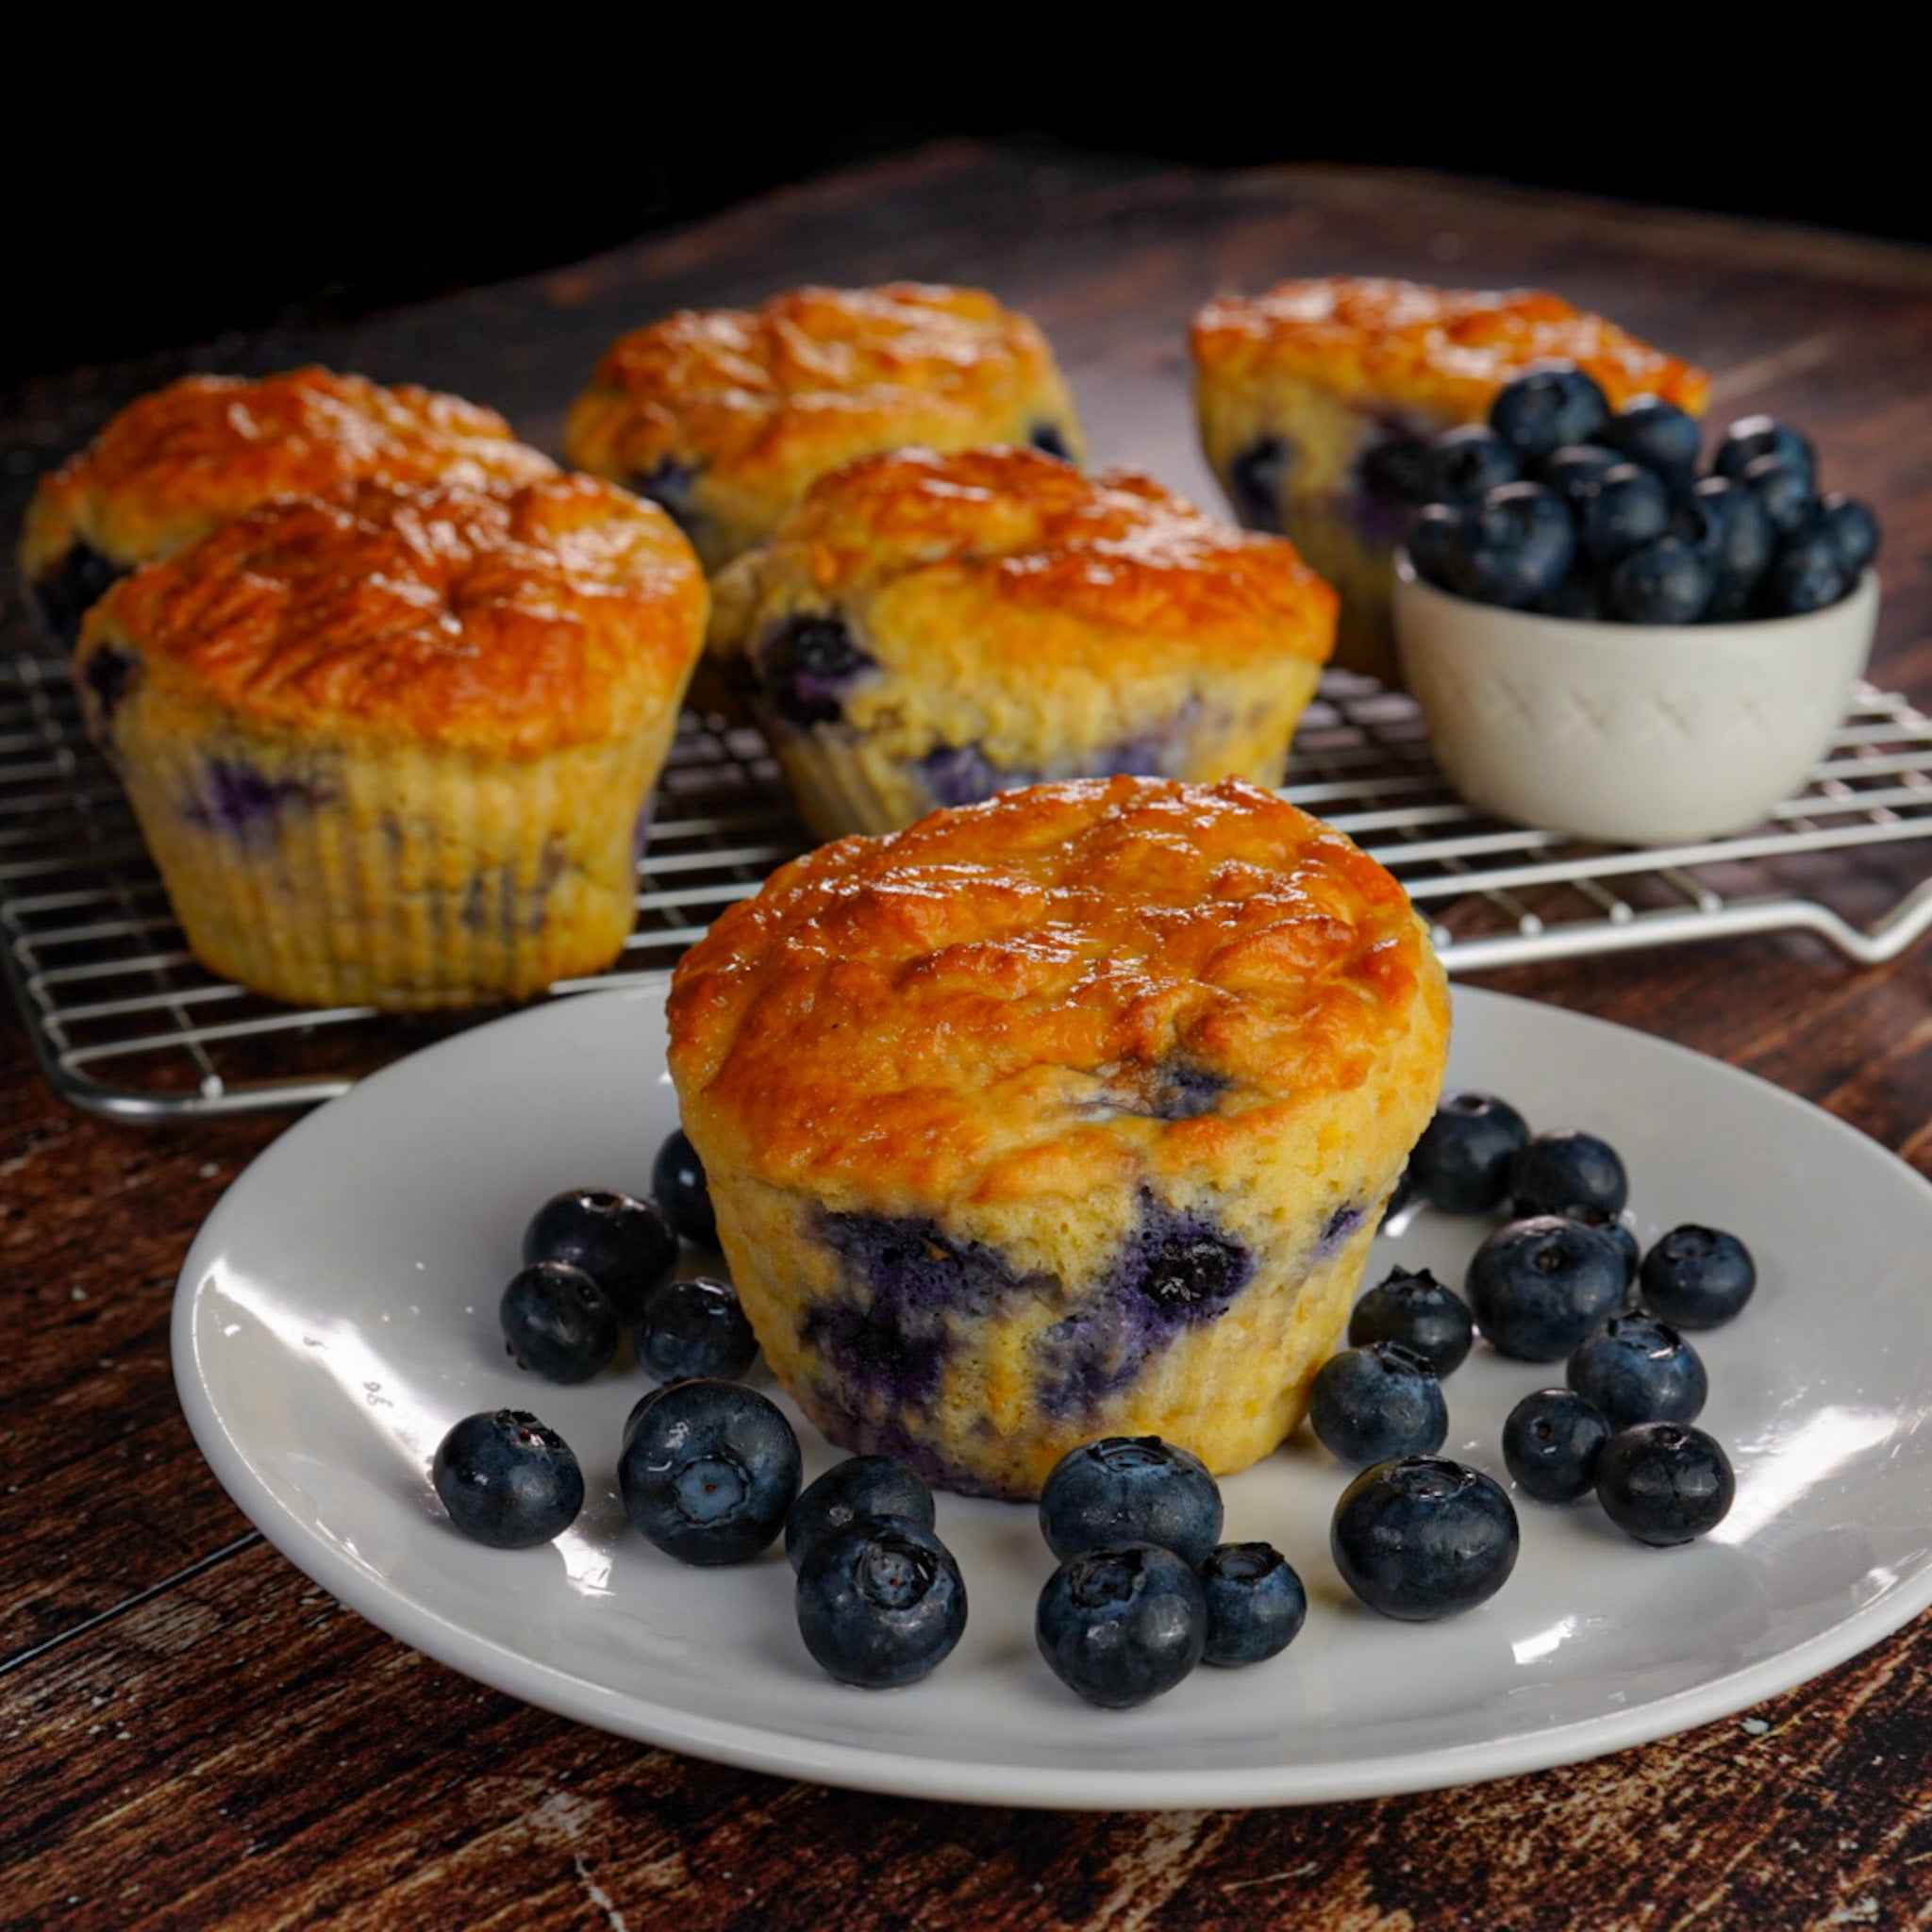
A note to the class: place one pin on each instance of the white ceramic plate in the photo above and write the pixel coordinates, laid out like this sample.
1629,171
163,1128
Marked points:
338,1314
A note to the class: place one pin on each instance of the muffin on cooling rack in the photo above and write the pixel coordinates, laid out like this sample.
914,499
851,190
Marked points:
172,465
1068,1114
390,747
726,415
1317,401
927,630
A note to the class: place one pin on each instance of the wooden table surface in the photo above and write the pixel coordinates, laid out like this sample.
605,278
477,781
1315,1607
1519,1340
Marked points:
191,1733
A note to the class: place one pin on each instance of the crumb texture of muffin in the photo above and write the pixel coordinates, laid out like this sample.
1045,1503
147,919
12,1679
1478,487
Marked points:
173,464
724,416
1069,1114
927,630
390,747
1317,400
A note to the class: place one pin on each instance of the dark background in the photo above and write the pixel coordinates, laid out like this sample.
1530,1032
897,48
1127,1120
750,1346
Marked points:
178,222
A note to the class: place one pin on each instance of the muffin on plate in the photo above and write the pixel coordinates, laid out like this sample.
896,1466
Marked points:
928,629
390,747
1068,1114
1317,400
724,416
172,465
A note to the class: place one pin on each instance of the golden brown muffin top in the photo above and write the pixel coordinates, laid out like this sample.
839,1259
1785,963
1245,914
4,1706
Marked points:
512,621
1003,560
1412,343
992,1001
810,376
173,464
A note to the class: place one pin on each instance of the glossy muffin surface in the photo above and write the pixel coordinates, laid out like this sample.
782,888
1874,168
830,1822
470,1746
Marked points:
726,416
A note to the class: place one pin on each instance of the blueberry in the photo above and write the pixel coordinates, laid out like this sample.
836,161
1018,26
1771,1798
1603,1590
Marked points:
1728,527
1399,469
1578,597
1636,1369
1466,461
678,1184
626,1245
1416,1310
1570,470
1567,1169
65,592
1697,1278
1520,544
636,1412
1622,510
558,1321
1050,440
671,486
1787,493
1437,545
1547,407
1753,437
1370,1403
804,665
1664,1483
1462,1163
880,1602
1255,1604
696,1327
1130,1489
507,1480
1848,525
855,1490
1423,1538
1537,1287
1550,1442
1121,1625
1617,1232
1657,434
1256,479
1806,576
711,1472
1665,582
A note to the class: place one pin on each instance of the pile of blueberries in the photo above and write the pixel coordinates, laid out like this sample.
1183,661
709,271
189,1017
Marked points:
1560,506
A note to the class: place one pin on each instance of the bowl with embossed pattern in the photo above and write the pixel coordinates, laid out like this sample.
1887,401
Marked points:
1624,733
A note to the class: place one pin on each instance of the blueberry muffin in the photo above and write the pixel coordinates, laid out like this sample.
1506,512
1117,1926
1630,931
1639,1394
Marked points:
1064,1115
927,630
1317,401
724,416
390,747
172,465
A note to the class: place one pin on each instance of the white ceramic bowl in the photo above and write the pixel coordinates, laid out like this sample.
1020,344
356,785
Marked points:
1632,734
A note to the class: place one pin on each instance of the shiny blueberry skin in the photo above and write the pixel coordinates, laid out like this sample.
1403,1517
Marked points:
1550,1442
1543,408
559,1323
1728,527
679,1186
855,1490
711,1472
1423,1538
1123,1624
1130,1489
1466,461
1664,1483
1852,531
1567,1168
1617,1232
1373,1403
880,1602
694,1327
1255,479
1520,542
1255,1604
1416,1310
1622,510
1462,1163
1657,434
1664,582
1753,437
1806,576
1536,1286
1570,470
1636,1369
626,1246
507,1480
1787,493
1696,1277
1437,545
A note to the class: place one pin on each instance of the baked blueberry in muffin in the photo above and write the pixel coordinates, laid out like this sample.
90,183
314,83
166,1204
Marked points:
726,416
1318,400
388,747
172,465
929,629
1065,1115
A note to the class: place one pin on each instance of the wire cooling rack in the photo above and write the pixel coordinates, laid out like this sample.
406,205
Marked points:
126,1024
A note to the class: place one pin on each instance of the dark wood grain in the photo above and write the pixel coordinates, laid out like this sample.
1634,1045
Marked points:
191,1734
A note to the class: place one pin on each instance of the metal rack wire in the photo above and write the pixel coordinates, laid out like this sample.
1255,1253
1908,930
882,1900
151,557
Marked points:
124,1023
